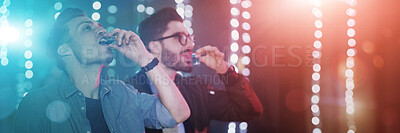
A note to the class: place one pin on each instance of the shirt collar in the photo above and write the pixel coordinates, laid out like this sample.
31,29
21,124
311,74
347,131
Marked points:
70,89
104,88
66,84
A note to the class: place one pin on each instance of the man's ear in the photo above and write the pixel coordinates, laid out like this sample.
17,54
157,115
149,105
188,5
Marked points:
64,50
155,47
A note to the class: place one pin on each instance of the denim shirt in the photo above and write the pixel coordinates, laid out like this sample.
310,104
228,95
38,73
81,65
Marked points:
60,107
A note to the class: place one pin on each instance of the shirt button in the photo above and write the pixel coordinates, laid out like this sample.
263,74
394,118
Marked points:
80,94
83,108
88,132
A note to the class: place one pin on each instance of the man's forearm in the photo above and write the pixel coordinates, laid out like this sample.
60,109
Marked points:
169,94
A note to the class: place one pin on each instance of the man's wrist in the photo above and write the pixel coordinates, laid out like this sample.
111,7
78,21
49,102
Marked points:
223,69
150,65
145,60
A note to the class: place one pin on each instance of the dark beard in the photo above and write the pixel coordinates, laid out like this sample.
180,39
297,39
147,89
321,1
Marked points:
92,56
173,61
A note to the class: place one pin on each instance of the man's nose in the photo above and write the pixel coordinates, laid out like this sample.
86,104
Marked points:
190,43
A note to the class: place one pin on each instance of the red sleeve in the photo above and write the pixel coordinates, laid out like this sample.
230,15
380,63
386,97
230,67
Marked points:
237,103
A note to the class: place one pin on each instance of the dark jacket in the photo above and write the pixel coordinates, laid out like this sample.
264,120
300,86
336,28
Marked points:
237,103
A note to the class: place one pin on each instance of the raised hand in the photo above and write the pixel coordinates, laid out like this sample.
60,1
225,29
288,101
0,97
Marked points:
130,45
212,58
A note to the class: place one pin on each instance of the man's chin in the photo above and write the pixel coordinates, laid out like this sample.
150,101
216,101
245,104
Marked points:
104,61
187,69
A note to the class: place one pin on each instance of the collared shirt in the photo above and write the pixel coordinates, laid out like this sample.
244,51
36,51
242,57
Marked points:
60,107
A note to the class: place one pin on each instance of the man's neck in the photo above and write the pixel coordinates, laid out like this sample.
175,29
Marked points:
86,79
170,72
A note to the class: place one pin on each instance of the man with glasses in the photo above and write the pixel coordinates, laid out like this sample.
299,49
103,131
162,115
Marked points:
165,36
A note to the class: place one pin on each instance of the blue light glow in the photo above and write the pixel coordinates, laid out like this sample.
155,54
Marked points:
28,54
58,6
29,74
4,61
28,23
96,5
95,16
112,9
28,64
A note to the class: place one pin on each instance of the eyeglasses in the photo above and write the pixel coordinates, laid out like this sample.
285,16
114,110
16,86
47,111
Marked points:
183,38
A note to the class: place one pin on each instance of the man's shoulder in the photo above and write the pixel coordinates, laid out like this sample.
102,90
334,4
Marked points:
50,91
120,86
115,82
39,99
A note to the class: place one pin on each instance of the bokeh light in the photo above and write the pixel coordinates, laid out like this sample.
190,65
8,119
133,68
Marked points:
245,60
114,9
4,61
28,23
95,16
246,26
28,54
58,6
234,22
29,74
235,35
140,8
234,47
149,10
234,58
235,11
315,88
246,72
28,64
318,23
246,49
317,44
246,15
246,37
96,5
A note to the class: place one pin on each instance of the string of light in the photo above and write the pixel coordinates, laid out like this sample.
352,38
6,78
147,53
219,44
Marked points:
317,45
349,73
4,23
240,48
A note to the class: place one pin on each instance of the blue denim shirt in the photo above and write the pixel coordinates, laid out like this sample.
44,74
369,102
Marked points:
60,107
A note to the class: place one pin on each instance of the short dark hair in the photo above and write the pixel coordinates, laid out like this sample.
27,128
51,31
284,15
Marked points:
154,26
59,33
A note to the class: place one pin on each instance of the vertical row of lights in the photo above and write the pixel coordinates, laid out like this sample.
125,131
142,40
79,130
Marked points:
25,84
240,25
4,23
28,52
349,73
316,67
96,15
185,10
239,12
111,20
